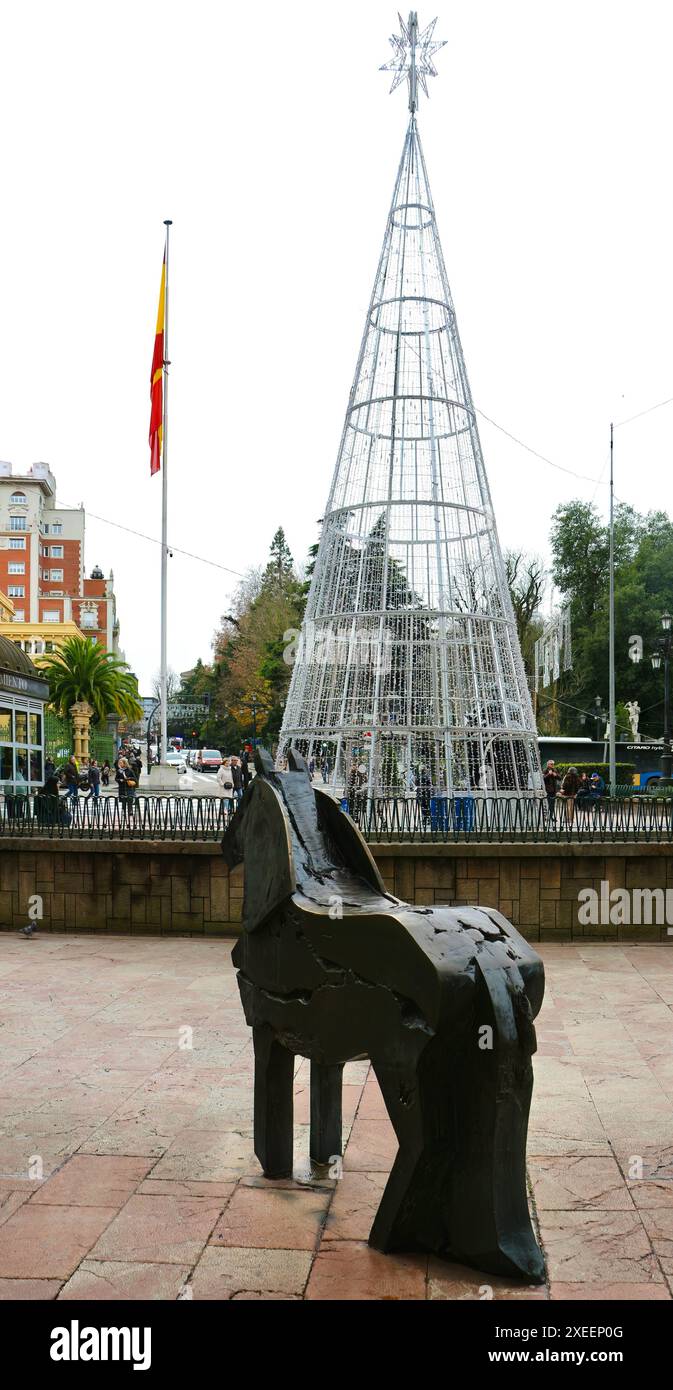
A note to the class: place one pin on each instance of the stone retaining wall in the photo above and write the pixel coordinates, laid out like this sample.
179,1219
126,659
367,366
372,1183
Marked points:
164,887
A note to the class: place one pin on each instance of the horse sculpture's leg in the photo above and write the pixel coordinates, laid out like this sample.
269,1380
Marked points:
274,1072
401,1096
326,1086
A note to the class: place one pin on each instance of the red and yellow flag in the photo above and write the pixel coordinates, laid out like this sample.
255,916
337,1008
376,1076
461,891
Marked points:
157,382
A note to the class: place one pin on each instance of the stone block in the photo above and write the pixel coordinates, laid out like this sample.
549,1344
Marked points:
529,903
645,873
510,878
57,907
180,895
404,879
615,872
121,902
483,868
530,869
425,897
219,900
547,917
6,907
489,892
550,873
187,921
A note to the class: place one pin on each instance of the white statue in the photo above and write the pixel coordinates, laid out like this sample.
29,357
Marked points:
634,715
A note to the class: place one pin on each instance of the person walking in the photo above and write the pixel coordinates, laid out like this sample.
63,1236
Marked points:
569,789
105,773
245,769
49,768
552,782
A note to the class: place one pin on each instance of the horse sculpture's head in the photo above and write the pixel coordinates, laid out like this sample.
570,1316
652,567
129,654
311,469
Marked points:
261,837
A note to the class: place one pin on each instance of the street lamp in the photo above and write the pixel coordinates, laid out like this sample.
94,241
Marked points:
598,716
663,653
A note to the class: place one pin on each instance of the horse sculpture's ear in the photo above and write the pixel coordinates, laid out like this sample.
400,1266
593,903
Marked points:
263,762
296,763
269,873
346,837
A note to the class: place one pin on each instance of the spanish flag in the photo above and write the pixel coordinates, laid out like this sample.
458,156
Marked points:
157,381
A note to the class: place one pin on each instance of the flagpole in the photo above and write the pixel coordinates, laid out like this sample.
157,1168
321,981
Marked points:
164,524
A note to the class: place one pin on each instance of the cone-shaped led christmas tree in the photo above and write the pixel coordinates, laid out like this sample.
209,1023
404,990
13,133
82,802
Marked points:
408,674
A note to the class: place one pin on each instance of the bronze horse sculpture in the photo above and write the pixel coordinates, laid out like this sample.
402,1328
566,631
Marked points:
442,1000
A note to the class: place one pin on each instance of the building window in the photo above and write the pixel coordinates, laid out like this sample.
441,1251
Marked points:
56,576
16,590
51,616
17,543
56,552
56,528
18,499
17,523
49,646
16,567
19,615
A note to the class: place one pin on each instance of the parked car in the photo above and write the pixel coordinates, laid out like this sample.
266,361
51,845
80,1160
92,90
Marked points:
208,760
176,760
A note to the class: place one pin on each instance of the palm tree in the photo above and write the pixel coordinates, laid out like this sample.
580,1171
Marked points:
82,670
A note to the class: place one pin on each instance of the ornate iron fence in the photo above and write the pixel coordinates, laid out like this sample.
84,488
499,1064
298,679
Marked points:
402,820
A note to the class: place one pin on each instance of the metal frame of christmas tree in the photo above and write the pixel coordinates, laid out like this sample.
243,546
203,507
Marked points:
408,675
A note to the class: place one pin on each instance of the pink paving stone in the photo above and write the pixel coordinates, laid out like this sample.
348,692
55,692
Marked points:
566,1184
601,1292
659,1227
283,1219
372,1146
164,1187
354,1206
459,1283
223,1272
583,1246
152,1230
94,1180
115,1280
49,1242
198,1155
372,1105
351,1270
33,1289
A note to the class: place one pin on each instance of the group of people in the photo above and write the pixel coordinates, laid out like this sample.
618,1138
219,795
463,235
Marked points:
233,776
575,788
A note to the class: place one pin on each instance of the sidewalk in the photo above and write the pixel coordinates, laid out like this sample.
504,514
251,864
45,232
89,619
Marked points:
138,1132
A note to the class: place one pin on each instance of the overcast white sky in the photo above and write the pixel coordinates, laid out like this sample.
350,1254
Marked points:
266,132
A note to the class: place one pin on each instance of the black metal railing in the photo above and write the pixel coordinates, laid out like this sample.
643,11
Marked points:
403,820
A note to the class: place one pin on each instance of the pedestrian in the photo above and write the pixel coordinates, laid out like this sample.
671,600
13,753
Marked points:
584,797
126,784
245,769
105,773
311,768
49,768
569,789
71,778
237,778
226,782
136,765
94,778
597,786
552,782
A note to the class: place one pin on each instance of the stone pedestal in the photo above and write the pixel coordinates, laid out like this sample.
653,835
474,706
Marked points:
163,778
81,713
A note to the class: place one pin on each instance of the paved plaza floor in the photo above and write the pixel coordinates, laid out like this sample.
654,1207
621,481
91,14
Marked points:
126,1161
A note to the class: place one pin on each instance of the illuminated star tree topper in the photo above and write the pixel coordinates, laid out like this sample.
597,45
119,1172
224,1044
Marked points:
413,55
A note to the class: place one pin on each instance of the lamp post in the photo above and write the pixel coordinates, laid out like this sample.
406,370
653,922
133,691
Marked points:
598,716
663,653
